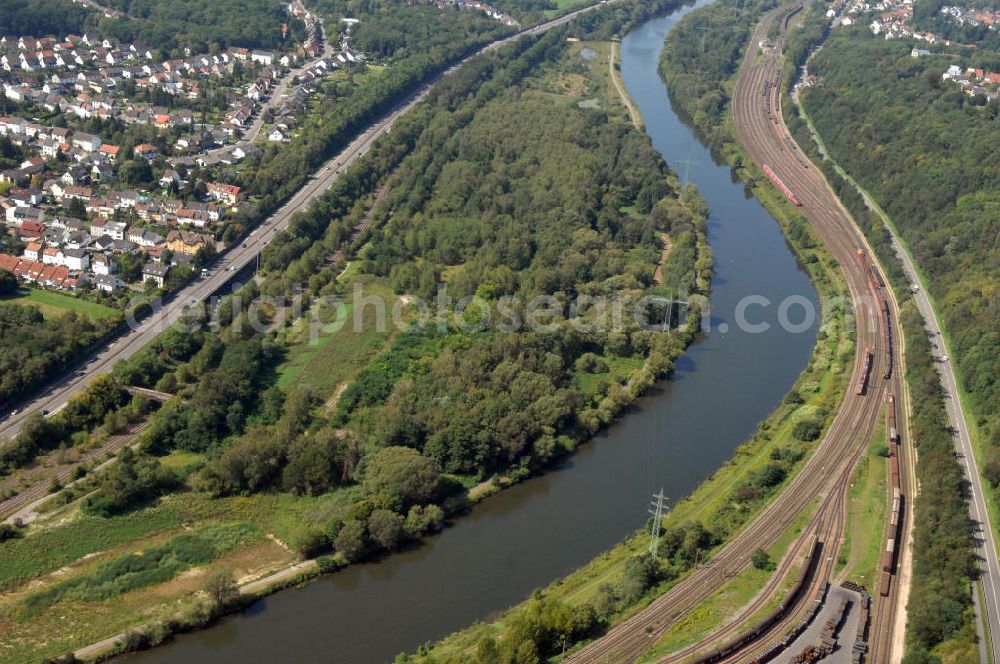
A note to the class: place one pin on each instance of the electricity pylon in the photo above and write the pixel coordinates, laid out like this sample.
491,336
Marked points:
656,510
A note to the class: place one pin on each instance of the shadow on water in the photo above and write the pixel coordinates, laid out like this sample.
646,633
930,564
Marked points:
675,437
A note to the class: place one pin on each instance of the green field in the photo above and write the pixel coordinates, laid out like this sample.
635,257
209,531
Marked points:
53,304
324,361
866,514
562,6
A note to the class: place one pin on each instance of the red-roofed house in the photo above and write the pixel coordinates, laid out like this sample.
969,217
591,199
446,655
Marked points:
224,192
33,251
109,152
147,151
31,230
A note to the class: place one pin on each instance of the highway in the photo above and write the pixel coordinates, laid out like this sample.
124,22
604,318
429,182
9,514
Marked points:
241,254
986,547
824,478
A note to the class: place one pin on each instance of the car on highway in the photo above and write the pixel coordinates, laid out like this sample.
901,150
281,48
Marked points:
13,412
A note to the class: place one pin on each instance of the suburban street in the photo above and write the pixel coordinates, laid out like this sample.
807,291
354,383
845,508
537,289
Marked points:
274,101
240,254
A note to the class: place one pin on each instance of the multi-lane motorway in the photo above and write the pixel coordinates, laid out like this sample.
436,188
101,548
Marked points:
240,255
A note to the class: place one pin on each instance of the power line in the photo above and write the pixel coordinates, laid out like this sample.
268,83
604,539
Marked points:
688,163
657,511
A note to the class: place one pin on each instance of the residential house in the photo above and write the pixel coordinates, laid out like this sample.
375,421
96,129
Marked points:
102,264
227,193
108,283
157,272
86,142
185,242
33,252
145,239
29,221
50,255
169,177
113,229
77,259
109,152
263,57
147,151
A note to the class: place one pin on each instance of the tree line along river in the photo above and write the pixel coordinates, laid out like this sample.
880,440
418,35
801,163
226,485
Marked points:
535,532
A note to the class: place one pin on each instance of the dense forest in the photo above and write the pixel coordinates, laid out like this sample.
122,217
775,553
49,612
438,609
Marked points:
926,152
43,17
701,56
34,348
201,26
484,196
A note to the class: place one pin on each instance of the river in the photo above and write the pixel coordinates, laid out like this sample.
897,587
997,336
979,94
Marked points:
535,532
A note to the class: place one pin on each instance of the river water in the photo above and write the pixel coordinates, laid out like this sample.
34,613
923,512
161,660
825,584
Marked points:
535,532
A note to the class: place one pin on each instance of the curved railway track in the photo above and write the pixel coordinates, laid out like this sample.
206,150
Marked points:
827,473
762,131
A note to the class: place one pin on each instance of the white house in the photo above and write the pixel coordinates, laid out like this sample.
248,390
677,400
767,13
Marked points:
77,259
108,283
954,71
51,256
87,142
102,264
263,57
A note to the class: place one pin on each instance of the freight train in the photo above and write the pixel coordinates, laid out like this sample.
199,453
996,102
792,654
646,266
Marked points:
866,369
773,618
781,185
891,552
877,284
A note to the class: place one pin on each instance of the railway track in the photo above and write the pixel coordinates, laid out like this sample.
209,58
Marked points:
826,475
762,131
63,473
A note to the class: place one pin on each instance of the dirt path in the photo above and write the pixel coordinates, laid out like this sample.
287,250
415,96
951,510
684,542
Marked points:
616,80
658,275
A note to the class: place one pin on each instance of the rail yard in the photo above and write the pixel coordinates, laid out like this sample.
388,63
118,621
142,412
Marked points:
825,478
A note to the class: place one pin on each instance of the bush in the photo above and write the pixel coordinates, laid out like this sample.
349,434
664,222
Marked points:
221,587
351,540
760,559
807,430
401,471
421,519
591,363
386,528
9,532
